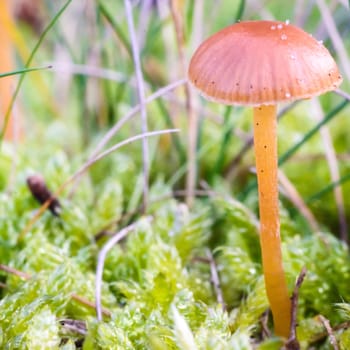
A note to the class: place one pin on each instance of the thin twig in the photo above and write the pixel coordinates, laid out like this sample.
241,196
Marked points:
142,99
216,280
14,271
343,325
89,304
100,265
292,343
86,166
332,338
321,336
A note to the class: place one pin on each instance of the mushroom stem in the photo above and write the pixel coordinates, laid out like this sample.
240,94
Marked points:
265,145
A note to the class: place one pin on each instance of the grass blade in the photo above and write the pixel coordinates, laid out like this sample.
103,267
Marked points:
161,106
225,140
24,70
28,63
240,11
327,189
312,132
110,19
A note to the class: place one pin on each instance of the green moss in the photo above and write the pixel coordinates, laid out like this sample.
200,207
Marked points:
157,282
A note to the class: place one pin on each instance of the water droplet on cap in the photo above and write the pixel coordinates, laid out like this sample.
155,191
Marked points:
284,37
320,42
293,57
273,27
279,26
287,21
288,95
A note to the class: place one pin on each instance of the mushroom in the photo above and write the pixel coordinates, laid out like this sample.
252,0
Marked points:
261,63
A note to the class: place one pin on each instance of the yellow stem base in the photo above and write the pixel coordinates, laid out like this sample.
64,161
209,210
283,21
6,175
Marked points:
265,145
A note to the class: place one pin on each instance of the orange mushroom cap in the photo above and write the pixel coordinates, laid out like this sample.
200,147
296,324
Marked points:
262,63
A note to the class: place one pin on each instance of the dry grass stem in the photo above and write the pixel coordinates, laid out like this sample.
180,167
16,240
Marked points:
89,71
14,271
332,338
301,12
215,280
101,261
342,94
292,343
295,197
142,99
145,16
89,304
113,131
177,13
197,34
333,168
335,37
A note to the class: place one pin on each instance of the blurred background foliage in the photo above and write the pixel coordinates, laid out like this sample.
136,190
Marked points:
157,282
